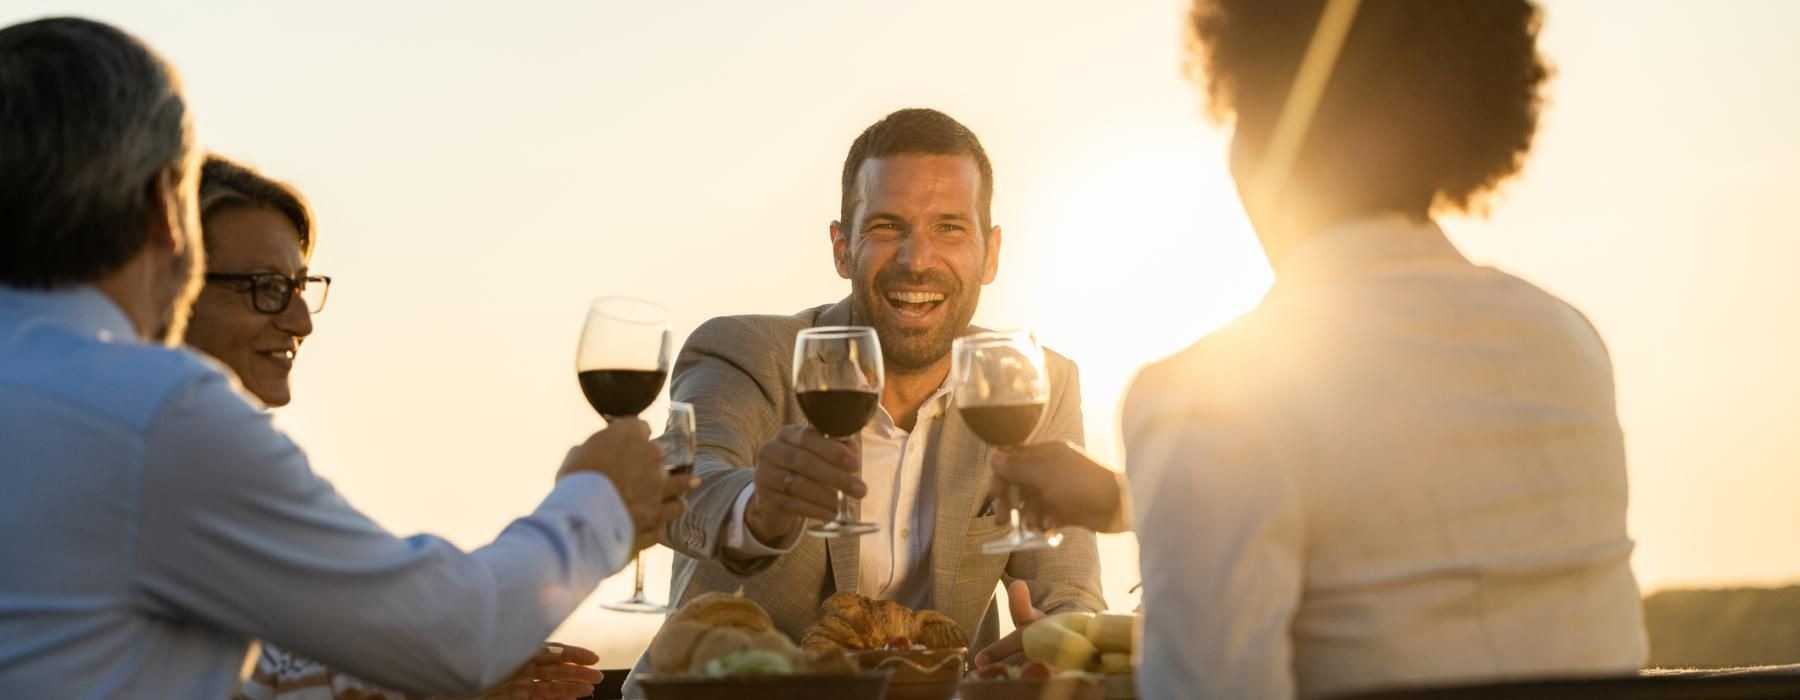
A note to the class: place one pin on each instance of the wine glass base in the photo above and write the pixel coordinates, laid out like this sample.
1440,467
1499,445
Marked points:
638,604
1022,541
843,528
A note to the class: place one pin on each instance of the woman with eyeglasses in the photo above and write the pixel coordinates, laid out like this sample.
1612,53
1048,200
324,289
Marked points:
257,306
253,314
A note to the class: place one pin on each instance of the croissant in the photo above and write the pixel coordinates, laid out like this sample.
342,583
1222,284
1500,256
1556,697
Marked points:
887,620
854,622
830,633
844,623
936,630
844,605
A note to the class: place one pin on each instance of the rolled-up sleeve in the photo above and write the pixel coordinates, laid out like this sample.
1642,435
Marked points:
236,530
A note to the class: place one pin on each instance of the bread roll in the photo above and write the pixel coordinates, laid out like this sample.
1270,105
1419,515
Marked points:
673,646
715,643
725,610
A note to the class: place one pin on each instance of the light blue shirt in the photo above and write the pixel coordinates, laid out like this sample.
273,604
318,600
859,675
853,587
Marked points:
152,522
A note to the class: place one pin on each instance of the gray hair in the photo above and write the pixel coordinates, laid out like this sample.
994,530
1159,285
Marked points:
90,118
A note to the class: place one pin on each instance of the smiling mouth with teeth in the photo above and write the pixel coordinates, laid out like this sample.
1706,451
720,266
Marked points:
915,303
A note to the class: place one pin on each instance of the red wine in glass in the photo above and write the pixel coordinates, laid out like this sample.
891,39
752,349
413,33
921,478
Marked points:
838,413
837,381
1001,386
621,393
1005,425
621,364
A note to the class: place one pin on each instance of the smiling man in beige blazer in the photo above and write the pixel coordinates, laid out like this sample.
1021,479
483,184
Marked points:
916,241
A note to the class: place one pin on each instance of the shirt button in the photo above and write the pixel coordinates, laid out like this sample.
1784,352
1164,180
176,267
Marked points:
905,533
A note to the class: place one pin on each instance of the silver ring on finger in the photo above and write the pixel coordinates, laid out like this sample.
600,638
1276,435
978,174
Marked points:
787,484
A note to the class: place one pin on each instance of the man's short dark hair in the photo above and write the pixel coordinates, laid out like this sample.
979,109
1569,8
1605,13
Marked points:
1430,102
227,184
89,118
918,131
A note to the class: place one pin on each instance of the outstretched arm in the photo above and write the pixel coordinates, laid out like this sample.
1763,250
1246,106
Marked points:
236,531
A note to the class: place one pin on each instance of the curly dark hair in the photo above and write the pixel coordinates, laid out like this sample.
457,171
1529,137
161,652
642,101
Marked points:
1431,102
227,184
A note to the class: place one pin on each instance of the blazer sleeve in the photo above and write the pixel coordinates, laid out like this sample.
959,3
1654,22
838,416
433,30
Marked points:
1065,578
729,372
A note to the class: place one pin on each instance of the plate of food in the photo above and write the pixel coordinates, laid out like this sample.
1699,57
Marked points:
1034,680
916,672
924,651
1073,656
723,646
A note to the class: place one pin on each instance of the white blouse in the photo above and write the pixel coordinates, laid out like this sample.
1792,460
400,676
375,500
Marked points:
1400,467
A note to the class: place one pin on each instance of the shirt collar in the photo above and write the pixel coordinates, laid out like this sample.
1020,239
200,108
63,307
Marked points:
939,399
930,410
82,309
1348,247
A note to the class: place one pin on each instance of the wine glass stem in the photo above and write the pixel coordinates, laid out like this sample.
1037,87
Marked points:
637,577
844,514
1012,497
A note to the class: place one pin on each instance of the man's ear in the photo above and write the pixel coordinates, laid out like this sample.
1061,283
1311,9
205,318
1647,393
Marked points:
840,249
168,220
991,266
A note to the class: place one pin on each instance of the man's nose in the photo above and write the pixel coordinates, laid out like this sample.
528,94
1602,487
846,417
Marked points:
918,252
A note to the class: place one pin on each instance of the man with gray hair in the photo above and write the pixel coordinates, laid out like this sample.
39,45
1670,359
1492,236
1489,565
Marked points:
152,521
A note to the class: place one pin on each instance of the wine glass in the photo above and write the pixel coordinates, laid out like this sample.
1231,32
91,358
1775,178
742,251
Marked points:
1000,388
622,362
837,379
623,358
677,443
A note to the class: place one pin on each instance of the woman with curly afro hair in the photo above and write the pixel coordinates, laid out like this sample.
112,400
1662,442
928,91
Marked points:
1400,467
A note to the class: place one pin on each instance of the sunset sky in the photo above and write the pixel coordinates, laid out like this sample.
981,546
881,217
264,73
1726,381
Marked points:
481,170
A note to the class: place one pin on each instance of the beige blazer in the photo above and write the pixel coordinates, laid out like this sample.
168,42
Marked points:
736,370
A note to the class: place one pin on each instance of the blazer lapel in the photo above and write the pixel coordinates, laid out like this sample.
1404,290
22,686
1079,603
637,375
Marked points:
961,477
846,552
846,559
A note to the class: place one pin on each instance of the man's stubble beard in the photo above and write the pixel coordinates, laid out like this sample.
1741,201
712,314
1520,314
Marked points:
904,351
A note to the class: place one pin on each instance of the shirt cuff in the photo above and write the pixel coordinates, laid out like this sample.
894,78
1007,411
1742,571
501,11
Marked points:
591,498
742,542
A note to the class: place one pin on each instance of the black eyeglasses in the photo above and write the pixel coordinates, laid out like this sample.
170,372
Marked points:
271,292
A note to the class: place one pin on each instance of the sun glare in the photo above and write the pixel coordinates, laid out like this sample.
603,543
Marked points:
1122,255
1127,256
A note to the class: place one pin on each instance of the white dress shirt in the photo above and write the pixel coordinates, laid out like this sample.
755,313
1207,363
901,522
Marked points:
152,521
895,563
1399,468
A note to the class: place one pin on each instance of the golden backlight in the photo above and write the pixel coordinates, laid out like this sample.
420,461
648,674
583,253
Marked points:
482,170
